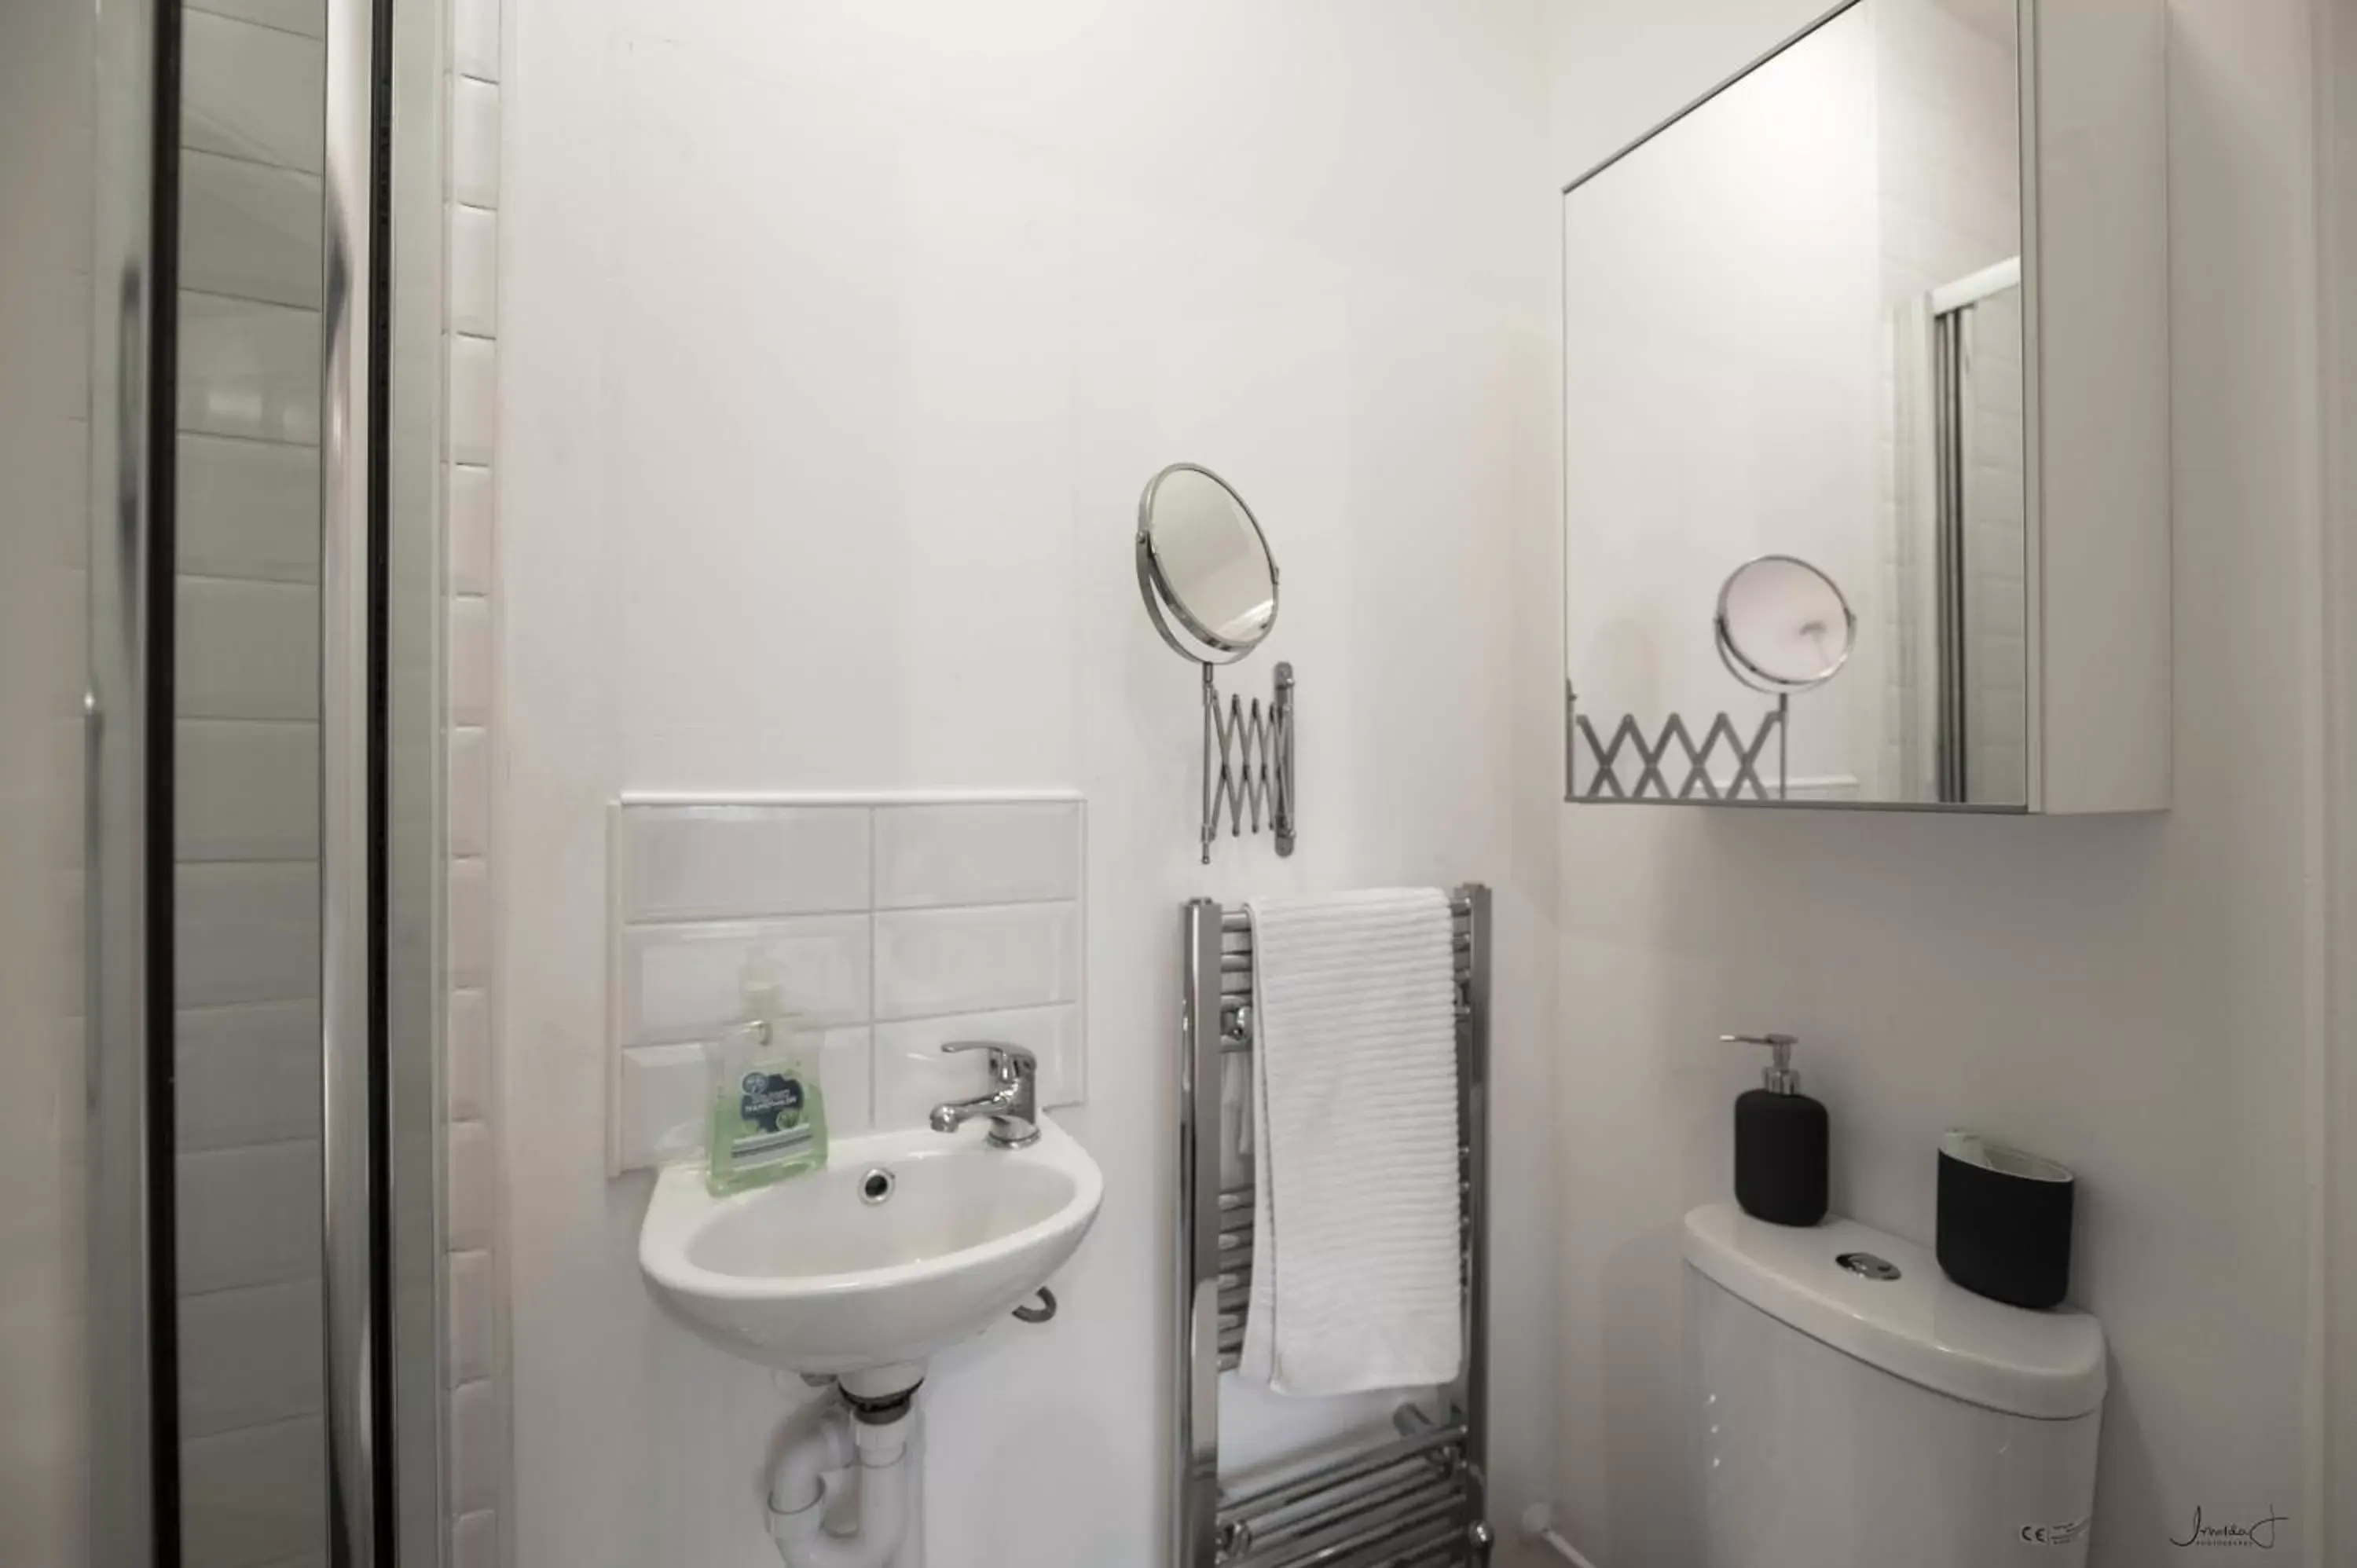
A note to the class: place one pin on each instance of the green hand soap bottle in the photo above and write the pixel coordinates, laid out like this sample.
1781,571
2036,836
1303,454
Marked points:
769,1116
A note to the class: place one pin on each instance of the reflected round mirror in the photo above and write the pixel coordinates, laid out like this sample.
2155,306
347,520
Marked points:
1203,563
1783,625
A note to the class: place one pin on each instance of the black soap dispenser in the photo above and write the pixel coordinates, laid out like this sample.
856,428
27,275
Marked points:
1780,1140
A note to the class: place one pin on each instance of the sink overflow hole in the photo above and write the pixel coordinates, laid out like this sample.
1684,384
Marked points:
876,1185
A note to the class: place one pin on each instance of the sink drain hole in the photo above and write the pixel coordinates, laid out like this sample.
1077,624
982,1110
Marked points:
876,1185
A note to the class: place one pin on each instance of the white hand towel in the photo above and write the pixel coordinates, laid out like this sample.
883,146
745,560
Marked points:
1355,1241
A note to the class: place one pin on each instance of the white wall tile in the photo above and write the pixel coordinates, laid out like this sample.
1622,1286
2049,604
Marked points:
247,650
246,931
980,853
248,508
247,1075
474,400
475,38
467,804
664,1095
250,1355
251,93
913,1075
468,892
685,862
309,18
470,1200
969,960
249,370
248,1216
250,229
469,519
475,1540
469,675
467,1057
686,983
246,791
255,1498
474,143
471,1321
474,282
478,1458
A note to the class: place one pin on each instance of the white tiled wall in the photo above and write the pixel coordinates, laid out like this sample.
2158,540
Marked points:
898,925
247,699
476,1307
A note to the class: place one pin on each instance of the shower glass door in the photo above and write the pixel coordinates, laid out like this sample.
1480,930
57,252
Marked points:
199,960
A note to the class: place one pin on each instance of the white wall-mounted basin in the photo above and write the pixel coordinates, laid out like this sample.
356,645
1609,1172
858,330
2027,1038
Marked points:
815,1273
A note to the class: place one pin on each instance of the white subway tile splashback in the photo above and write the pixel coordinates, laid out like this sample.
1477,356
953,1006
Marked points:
927,856
474,1447
475,38
249,370
474,400
474,143
474,271
469,673
255,1498
913,1075
928,919
471,1317
667,1098
470,1222
246,791
252,92
467,1057
246,931
309,18
470,529
248,1216
967,960
687,982
475,1540
248,508
468,806
249,230
688,862
247,1075
250,1355
247,650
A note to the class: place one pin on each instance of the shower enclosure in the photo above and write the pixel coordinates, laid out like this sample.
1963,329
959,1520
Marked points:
219,753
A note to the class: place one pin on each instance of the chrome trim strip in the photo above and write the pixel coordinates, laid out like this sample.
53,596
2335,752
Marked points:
411,903
133,1448
346,588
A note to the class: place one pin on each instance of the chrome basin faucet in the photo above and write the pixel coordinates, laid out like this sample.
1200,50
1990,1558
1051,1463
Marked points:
1013,1103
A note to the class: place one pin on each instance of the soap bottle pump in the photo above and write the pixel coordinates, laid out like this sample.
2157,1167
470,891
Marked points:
1781,1142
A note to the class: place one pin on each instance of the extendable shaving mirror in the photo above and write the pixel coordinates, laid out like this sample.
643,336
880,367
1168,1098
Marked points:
1210,583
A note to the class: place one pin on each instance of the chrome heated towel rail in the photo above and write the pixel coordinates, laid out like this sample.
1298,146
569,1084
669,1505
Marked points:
1415,1501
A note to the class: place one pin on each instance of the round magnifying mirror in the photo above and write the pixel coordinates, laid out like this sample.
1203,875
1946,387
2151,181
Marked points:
1783,625
1203,563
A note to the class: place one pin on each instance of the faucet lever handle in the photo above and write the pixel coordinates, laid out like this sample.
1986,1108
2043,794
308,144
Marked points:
1006,1059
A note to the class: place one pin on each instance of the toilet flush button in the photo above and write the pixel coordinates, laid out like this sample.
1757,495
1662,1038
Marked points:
1867,1264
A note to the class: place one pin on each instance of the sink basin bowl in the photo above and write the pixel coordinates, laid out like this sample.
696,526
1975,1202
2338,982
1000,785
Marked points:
844,1269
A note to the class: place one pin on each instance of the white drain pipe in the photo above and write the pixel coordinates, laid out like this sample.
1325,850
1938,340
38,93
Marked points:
799,1491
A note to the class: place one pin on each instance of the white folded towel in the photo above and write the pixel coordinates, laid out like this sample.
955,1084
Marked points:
1355,1242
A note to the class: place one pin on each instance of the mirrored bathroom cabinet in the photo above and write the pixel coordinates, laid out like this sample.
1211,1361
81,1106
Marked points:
1865,424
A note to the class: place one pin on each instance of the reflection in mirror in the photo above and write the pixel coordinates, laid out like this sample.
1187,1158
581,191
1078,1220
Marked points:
1783,625
1794,328
1202,557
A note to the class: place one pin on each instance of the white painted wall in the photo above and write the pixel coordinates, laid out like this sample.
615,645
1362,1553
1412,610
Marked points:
837,344
2133,996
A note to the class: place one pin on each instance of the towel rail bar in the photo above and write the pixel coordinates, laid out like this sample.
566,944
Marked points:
1418,1500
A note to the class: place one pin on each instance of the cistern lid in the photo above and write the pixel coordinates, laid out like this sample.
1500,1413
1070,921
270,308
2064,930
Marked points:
1918,1326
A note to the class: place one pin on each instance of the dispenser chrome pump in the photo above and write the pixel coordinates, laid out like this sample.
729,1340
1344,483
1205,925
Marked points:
1782,1142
